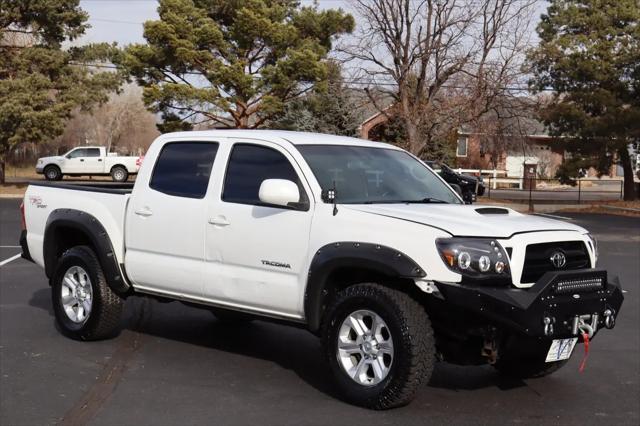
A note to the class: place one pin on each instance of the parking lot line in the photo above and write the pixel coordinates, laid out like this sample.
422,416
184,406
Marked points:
11,259
9,246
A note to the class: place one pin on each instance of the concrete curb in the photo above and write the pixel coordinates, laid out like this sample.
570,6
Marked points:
624,209
11,195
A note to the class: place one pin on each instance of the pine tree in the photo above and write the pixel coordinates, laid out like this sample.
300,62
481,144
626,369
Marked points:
589,55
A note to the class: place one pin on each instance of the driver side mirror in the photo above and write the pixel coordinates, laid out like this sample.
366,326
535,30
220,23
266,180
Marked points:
279,192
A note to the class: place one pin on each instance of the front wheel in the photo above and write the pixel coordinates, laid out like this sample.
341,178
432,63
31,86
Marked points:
119,174
52,173
84,305
379,345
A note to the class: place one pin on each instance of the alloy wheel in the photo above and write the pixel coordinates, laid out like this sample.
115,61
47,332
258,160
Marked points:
365,347
76,294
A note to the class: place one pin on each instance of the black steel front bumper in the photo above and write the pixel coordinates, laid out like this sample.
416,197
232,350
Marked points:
557,306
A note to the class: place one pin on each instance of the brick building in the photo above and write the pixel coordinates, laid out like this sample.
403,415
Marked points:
505,153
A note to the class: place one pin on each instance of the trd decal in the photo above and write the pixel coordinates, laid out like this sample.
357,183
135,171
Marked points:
276,264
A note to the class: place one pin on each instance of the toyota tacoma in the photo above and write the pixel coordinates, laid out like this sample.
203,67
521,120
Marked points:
357,241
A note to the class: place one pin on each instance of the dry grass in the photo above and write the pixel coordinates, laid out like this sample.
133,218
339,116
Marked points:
21,172
13,189
602,208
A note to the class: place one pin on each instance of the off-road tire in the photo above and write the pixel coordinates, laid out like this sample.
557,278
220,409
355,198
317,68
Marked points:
119,174
52,173
413,341
104,320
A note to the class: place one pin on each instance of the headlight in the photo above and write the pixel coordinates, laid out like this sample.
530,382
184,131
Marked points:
475,259
594,245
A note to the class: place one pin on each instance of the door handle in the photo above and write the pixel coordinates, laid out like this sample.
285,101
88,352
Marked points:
99,159
144,212
219,221
82,159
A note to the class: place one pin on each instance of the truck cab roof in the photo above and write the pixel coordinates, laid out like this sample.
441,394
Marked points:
278,136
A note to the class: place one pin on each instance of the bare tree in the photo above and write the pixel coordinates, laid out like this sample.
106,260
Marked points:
443,62
123,124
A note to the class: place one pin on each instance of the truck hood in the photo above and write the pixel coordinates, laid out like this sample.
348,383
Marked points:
51,159
468,220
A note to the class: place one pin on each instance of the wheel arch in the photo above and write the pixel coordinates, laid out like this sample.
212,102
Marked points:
340,264
51,165
67,228
122,166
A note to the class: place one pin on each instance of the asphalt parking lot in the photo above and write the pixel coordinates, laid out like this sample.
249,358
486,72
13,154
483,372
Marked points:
177,365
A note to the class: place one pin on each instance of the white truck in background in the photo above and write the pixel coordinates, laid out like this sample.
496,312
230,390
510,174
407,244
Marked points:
88,161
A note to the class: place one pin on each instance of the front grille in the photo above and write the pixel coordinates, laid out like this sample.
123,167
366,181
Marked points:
537,259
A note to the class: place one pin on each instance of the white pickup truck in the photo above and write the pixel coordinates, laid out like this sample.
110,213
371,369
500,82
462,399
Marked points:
360,242
88,161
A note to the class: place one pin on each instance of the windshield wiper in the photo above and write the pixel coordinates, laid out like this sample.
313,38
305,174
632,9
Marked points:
426,200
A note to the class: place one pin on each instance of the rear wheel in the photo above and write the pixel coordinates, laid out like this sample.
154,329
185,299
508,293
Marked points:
52,173
379,345
119,174
84,305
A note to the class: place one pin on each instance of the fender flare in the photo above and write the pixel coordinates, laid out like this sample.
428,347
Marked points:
91,227
374,257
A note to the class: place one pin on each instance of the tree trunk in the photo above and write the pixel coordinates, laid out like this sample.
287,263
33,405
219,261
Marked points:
629,184
2,170
414,145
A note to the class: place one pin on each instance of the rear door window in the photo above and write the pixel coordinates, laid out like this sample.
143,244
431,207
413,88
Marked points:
183,169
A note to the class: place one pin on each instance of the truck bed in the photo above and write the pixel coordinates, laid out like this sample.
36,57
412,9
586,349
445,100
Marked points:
105,201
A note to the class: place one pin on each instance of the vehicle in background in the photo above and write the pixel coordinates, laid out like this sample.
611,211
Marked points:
469,187
88,161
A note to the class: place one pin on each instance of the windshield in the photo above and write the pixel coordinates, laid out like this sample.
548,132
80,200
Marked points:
365,175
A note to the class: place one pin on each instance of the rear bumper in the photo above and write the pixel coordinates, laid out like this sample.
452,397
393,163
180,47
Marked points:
25,247
558,299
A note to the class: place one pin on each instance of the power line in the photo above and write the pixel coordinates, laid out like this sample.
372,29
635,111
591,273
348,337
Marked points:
360,82
115,21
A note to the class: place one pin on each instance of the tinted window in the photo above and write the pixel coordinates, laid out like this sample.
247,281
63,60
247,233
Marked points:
183,169
249,166
93,152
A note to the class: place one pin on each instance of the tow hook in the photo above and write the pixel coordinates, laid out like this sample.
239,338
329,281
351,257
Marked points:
609,318
580,325
548,325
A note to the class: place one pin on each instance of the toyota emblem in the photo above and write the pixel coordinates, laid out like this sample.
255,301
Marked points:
558,259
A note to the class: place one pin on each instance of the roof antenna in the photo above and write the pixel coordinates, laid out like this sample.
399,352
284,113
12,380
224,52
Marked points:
329,196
